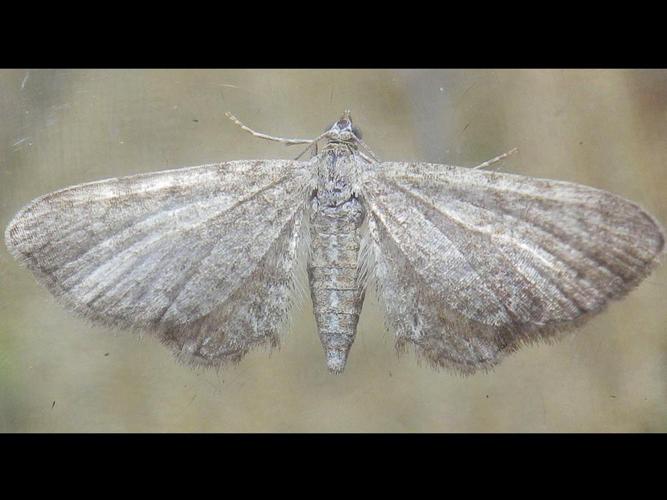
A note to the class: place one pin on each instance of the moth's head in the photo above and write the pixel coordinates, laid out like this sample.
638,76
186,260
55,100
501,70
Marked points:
343,129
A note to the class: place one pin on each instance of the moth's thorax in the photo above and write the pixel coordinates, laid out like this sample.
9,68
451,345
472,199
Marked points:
337,174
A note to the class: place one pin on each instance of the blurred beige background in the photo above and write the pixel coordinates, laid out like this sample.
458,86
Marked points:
607,129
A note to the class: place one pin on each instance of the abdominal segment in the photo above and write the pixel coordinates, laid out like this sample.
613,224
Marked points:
335,283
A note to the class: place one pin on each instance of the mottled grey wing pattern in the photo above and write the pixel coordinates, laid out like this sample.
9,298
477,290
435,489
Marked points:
471,264
171,252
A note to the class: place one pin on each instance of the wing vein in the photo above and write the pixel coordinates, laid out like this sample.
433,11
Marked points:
467,227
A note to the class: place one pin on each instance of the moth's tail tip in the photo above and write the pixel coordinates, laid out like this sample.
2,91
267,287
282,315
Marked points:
336,360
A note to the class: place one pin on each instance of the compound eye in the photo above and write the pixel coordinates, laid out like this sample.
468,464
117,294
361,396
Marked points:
356,131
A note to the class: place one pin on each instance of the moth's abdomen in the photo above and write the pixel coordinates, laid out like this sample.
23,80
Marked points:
334,275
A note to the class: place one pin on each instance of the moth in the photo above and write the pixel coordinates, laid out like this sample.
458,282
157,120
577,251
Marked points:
469,264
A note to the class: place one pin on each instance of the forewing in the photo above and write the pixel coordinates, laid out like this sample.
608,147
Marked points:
202,256
471,264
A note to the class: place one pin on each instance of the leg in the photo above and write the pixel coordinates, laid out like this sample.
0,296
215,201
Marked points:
368,150
268,137
311,145
496,159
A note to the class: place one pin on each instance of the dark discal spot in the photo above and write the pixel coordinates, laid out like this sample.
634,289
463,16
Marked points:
195,120
53,404
106,354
